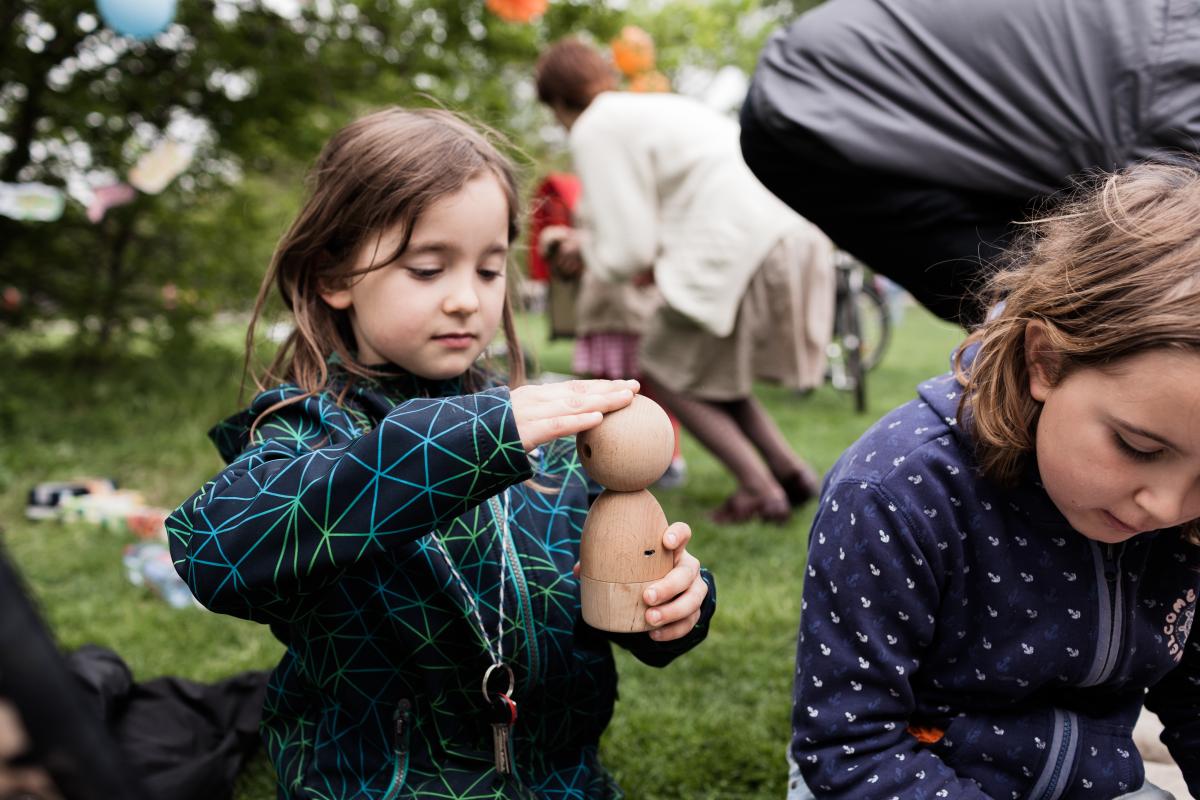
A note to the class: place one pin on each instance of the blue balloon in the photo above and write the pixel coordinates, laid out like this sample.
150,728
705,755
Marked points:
141,19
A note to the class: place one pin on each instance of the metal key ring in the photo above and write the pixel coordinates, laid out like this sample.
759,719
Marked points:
487,676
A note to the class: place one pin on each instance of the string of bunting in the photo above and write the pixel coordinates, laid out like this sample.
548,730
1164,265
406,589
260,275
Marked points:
39,202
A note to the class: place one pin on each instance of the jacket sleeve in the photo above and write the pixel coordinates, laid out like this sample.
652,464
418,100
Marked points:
659,654
621,209
1176,701
869,612
313,495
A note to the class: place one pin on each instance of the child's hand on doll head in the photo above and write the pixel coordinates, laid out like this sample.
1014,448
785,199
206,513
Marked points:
545,412
675,600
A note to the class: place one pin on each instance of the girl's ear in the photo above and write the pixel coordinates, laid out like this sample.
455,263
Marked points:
335,291
1040,360
339,299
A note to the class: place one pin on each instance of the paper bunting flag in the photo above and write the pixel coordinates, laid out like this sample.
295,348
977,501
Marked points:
106,197
141,19
653,81
156,169
517,10
31,201
633,51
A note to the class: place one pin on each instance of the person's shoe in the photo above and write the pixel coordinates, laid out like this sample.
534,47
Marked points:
741,506
675,476
801,486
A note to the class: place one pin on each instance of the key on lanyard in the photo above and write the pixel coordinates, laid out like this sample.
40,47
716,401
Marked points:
504,715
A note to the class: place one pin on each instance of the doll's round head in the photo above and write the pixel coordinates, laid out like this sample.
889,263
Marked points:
631,448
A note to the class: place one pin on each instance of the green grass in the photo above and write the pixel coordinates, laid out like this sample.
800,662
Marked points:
714,725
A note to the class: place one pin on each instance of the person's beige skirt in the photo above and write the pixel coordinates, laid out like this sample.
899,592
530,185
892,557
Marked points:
783,327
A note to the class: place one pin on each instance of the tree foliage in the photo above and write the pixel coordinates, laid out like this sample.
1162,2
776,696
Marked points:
260,84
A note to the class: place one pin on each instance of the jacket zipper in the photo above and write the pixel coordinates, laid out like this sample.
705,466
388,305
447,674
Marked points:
401,720
1111,622
509,551
1063,746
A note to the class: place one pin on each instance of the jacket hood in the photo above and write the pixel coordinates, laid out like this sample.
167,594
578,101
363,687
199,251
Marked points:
943,395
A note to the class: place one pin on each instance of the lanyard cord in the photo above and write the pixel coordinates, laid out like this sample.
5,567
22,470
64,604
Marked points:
500,515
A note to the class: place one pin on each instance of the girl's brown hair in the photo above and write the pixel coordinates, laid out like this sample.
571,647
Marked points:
380,171
1114,272
571,73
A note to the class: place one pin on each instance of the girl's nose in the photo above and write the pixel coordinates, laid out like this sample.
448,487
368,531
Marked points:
1169,502
461,297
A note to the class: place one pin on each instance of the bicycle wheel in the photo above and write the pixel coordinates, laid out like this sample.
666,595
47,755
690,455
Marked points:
874,324
845,367
852,349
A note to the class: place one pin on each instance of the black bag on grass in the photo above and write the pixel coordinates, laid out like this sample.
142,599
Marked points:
185,740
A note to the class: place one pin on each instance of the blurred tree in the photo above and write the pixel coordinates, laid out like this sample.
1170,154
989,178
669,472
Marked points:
714,33
257,86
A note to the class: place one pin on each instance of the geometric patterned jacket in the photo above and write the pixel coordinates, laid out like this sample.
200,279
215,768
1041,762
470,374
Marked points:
337,524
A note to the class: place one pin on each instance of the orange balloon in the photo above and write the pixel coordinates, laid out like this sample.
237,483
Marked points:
517,10
653,81
633,51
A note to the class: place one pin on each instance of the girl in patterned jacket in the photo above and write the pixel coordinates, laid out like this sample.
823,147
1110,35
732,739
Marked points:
406,525
1004,571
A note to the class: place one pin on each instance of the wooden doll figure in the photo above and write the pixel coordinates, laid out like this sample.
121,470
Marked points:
621,550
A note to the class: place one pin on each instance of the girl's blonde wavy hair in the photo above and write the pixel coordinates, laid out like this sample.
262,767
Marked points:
382,170
1113,272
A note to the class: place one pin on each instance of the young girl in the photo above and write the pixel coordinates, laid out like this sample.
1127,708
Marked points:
378,513
1001,569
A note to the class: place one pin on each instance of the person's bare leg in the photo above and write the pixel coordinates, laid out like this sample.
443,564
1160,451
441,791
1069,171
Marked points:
798,479
759,493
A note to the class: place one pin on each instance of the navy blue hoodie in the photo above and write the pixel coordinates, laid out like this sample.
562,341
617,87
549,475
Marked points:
936,598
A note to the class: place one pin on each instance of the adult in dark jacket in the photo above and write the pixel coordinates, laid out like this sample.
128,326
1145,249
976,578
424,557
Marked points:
914,132
1003,572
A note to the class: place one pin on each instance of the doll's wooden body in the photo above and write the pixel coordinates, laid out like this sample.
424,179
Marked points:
621,550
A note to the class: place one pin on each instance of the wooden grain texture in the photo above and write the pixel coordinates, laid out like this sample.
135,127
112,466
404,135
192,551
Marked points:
615,607
631,448
620,552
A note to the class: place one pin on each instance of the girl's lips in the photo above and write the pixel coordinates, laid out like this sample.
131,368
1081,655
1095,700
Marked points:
1116,523
456,340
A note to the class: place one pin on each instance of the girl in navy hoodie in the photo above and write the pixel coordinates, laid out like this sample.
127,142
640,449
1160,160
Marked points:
378,513
1004,571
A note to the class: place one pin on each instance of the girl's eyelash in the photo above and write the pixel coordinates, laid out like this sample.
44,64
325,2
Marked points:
1131,451
424,274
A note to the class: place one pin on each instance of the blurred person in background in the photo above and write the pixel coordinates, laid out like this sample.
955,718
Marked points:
747,285
19,780
606,320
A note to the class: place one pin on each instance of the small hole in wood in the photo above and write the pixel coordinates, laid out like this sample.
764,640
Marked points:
648,553
587,451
